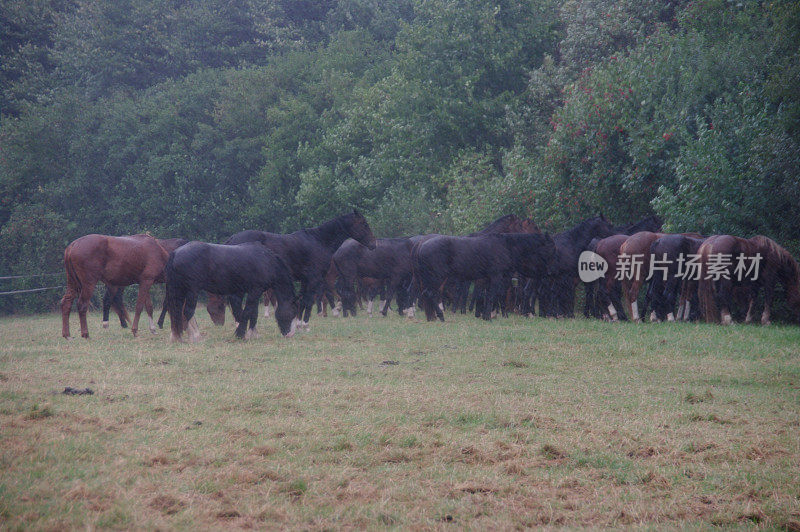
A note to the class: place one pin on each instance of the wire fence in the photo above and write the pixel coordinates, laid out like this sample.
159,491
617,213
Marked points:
6,277
29,290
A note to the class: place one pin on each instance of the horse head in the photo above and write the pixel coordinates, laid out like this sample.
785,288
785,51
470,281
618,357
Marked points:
359,230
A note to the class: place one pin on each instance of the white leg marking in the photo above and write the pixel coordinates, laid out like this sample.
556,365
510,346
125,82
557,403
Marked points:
726,318
105,325
635,311
152,325
292,328
670,317
337,309
174,337
686,310
493,314
653,316
267,310
612,312
381,304
441,306
194,331
369,308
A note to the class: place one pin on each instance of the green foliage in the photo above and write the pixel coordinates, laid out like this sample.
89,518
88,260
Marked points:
203,118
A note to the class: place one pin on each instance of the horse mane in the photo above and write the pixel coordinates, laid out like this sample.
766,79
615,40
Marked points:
786,265
500,221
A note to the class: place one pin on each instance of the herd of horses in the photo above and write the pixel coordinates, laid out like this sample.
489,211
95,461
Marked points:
509,266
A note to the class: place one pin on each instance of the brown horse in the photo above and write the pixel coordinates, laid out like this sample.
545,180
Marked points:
609,249
115,261
113,299
776,264
637,248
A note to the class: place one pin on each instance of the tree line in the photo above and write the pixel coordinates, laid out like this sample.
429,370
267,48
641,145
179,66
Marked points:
199,119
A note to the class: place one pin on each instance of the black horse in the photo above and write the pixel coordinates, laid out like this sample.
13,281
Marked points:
467,258
556,293
389,263
665,287
308,252
234,271
509,223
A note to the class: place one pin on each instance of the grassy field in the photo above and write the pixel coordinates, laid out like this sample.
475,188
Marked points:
384,422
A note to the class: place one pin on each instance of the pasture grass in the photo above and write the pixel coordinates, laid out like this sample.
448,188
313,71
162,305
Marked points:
390,423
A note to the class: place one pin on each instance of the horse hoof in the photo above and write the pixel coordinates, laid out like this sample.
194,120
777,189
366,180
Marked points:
105,325
85,336
135,332
766,322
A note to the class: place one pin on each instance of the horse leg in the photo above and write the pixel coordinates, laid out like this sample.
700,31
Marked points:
589,304
66,308
308,302
148,306
142,297
83,306
249,315
106,305
631,292
391,289
118,304
494,289
769,294
163,313
174,301
189,318
236,302
723,296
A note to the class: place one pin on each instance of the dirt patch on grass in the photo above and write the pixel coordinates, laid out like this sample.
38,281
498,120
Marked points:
166,504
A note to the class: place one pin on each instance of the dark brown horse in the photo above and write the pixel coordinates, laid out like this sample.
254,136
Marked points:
115,261
775,264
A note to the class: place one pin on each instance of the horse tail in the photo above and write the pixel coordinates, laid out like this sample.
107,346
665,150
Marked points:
705,287
73,280
172,300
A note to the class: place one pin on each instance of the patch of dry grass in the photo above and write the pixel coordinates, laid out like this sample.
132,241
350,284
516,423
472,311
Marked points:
514,423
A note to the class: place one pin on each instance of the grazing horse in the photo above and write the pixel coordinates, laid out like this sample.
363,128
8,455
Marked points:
666,286
595,301
113,296
308,252
608,294
718,279
636,252
115,261
389,263
235,271
557,292
495,257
